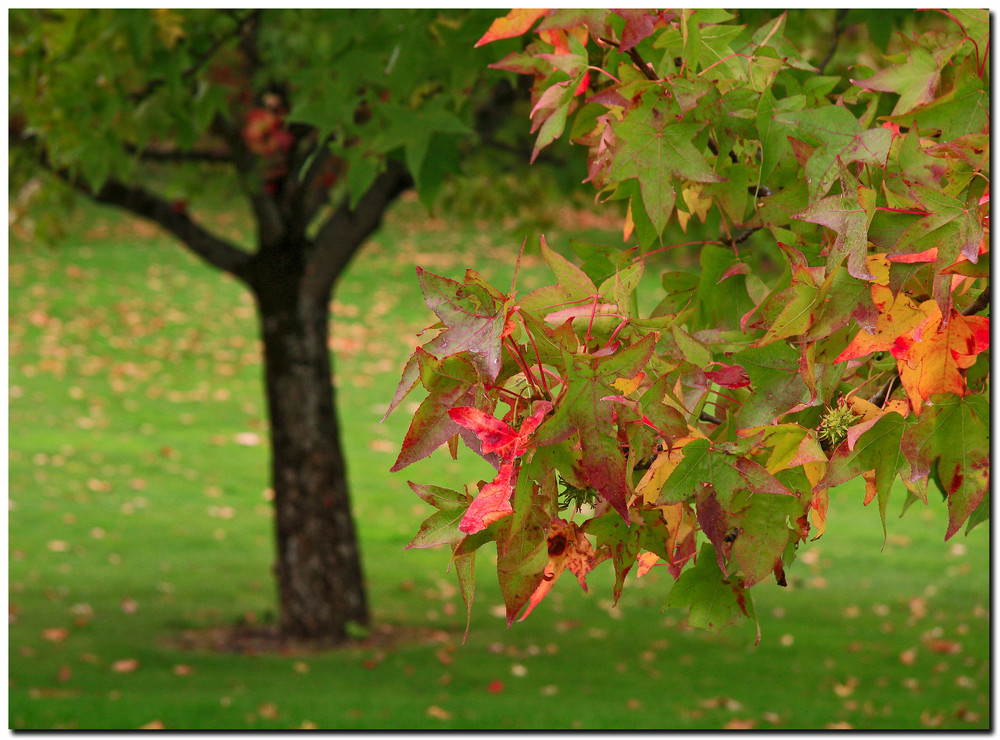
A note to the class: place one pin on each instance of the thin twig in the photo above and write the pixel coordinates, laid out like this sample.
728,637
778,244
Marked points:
636,58
838,29
705,416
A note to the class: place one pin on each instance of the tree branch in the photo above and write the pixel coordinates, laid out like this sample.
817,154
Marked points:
152,154
200,61
141,202
838,29
979,304
636,58
346,230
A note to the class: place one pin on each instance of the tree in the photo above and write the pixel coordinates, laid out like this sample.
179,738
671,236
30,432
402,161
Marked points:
832,327
320,120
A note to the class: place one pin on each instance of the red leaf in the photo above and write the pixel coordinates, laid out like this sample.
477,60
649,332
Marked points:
492,503
730,376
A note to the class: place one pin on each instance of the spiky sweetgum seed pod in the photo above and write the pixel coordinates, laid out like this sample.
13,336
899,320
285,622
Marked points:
835,424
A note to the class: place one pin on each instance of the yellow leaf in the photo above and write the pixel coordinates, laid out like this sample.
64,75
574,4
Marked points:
663,465
628,385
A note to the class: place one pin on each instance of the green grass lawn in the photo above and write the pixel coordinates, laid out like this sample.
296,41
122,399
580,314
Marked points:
139,514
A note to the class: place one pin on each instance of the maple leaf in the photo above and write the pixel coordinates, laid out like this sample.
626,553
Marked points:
621,540
914,78
493,501
726,472
849,214
954,434
715,601
491,504
450,382
729,376
441,527
766,533
474,315
568,548
871,447
934,361
654,151
897,315
515,23
842,142
580,409
496,435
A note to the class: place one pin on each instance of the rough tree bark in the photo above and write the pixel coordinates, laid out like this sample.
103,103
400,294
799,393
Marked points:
318,561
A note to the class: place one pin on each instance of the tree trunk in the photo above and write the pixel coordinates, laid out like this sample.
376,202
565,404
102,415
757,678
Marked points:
318,568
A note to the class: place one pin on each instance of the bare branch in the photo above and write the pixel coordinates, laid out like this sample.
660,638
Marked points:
636,58
979,304
347,229
141,202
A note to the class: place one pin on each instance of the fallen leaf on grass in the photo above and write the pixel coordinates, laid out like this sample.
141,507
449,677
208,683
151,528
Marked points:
495,687
247,439
267,710
65,674
156,724
740,724
58,546
182,670
839,725
948,647
125,665
55,634
845,689
437,712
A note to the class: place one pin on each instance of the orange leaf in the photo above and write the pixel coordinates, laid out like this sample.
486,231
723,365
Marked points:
896,316
931,359
513,24
568,548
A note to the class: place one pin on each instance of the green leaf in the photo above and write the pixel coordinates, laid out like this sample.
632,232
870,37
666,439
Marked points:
581,410
841,141
915,80
876,449
654,151
520,567
705,464
465,569
450,382
475,320
847,215
621,540
954,432
765,522
775,380
715,601
963,110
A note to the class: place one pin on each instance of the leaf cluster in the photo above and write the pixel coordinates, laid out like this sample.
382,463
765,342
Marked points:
711,427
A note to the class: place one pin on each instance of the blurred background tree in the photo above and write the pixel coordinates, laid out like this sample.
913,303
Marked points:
318,120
